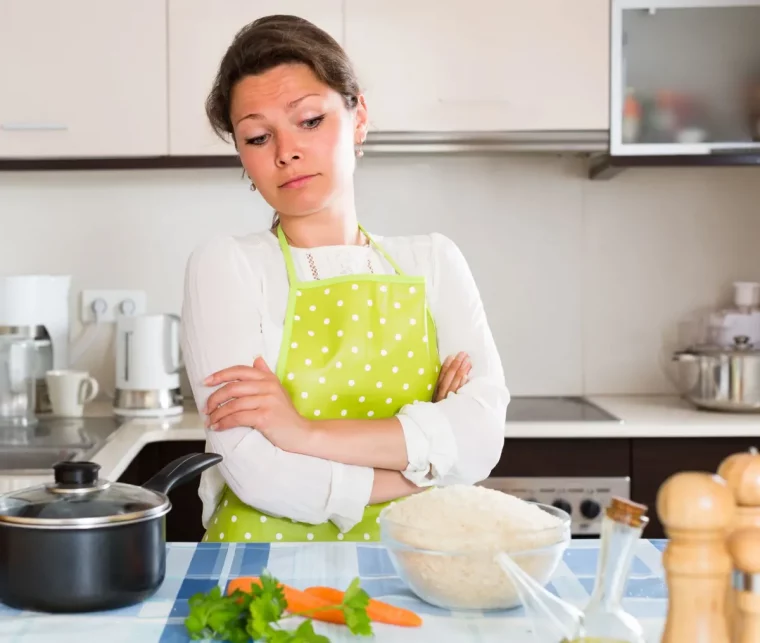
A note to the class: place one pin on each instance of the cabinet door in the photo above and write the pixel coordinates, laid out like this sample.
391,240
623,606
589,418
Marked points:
82,78
199,34
482,65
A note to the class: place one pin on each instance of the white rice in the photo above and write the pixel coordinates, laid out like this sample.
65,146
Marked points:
473,523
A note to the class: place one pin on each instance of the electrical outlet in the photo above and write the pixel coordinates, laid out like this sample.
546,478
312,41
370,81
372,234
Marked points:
113,303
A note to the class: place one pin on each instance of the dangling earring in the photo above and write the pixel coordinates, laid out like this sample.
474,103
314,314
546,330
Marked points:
253,187
359,151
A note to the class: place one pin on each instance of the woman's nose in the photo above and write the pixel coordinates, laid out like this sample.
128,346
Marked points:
287,152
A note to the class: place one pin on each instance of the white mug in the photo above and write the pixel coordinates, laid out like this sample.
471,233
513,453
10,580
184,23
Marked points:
69,391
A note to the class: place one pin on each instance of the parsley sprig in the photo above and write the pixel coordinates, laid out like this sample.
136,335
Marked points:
260,613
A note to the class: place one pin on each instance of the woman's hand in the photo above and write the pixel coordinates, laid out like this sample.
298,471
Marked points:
253,396
453,375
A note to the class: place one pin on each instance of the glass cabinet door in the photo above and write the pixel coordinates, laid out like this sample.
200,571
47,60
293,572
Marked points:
685,77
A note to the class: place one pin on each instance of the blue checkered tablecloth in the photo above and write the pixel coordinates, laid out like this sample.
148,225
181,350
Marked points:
195,568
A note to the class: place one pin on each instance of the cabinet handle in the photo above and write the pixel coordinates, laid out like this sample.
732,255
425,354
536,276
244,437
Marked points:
33,127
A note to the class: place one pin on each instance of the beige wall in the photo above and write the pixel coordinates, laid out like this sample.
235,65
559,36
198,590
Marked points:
584,282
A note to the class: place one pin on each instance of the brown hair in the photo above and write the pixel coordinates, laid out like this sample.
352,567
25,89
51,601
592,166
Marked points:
275,40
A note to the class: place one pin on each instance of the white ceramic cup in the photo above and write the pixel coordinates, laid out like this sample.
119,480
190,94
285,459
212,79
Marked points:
69,391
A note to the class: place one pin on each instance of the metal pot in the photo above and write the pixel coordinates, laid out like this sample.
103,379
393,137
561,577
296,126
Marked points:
82,544
721,378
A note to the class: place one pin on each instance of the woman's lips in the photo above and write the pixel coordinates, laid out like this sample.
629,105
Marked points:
298,181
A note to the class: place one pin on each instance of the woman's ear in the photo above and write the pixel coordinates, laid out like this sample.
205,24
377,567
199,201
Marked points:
361,120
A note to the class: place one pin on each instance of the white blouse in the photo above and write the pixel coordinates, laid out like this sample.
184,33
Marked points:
236,291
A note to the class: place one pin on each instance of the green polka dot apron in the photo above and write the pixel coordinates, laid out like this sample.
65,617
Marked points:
354,346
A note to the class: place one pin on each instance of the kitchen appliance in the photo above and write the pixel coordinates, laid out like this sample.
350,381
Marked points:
583,497
17,381
147,366
83,544
720,378
37,306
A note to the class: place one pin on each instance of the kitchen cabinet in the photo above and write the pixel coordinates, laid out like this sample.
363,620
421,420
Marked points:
82,78
199,34
482,65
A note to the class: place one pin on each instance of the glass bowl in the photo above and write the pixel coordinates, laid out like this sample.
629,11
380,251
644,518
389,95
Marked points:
443,572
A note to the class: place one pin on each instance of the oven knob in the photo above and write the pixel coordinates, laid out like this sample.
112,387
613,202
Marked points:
590,509
564,505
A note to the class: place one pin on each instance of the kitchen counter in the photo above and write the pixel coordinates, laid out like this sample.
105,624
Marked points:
197,568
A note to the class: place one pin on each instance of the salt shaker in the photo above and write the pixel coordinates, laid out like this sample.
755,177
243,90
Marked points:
744,547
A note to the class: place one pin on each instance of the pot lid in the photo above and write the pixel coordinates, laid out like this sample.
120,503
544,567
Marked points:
741,346
78,499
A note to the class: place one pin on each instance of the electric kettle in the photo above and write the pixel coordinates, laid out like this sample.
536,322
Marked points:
148,362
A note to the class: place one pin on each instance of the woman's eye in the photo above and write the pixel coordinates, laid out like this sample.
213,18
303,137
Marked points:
313,123
256,140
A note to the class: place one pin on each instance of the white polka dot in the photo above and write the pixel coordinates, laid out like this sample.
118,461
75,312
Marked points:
410,354
297,317
406,387
437,368
307,361
340,302
340,333
309,536
322,380
430,387
310,333
354,287
370,334
304,395
263,519
366,536
226,502
325,349
234,519
397,305
327,320
398,337
412,289
369,302
351,382
370,414
377,520
291,376
368,367
340,536
383,352
424,339
355,317
298,293
395,369
389,400
354,349
379,385
382,320
205,538
312,308
412,321
362,398
294,345
278,536
327,291
421,371
316,412
221,535
334,397
344,413
216,520
338,364
248,535
383,288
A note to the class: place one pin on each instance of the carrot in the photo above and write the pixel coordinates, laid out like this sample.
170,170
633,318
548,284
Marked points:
299,603
377,611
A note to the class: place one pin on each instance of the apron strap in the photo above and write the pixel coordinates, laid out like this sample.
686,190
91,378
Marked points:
291,268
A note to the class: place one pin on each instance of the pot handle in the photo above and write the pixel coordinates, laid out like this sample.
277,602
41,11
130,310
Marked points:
181,470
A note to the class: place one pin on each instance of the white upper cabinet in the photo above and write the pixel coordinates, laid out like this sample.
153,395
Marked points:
82,78
199,33
482,64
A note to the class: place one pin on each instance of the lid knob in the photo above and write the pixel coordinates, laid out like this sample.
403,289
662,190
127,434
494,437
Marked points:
76,474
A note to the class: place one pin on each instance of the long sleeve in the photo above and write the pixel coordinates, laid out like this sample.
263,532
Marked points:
222,327
459,439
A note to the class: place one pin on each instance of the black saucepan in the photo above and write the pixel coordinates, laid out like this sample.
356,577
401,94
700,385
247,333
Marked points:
83,544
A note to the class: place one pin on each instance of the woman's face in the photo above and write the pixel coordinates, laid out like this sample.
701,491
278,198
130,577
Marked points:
296,138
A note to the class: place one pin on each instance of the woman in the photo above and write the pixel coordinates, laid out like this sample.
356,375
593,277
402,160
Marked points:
312,348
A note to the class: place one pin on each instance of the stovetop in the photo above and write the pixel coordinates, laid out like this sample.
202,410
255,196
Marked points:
556,409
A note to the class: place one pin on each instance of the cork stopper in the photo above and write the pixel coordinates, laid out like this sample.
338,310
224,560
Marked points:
744,548
627,512
741,471
695,501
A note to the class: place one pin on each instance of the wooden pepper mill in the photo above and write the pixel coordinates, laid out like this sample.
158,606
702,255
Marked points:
696,510
744,547
741,471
